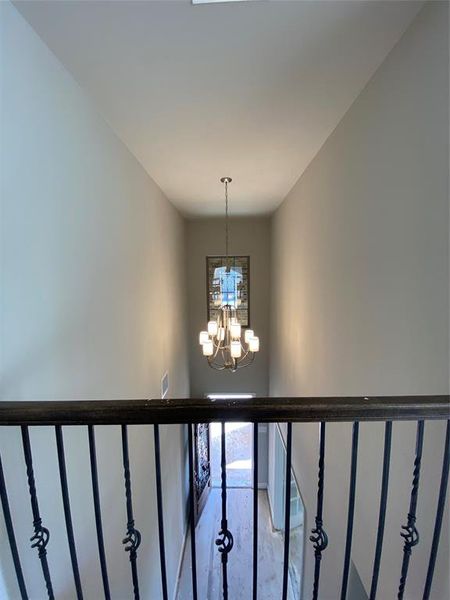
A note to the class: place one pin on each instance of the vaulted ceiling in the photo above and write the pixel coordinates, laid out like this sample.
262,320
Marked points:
246,89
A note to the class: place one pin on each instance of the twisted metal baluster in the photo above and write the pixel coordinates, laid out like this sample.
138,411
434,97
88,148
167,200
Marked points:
410,534
41,534
133,537
225,540
319,537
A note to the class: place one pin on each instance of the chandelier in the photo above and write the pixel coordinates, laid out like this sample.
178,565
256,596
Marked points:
225,344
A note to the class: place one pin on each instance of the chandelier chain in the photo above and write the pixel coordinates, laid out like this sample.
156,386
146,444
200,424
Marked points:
226,224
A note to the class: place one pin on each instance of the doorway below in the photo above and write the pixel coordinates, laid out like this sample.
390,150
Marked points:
238,449
239,458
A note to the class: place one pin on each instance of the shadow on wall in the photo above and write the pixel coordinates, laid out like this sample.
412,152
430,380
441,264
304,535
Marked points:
356,589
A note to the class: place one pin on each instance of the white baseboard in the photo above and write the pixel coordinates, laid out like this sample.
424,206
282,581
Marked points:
270,510
180,560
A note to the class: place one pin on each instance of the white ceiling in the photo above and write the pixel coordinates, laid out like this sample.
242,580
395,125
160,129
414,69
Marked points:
251,90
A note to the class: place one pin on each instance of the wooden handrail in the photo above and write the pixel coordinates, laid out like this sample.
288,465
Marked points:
201,410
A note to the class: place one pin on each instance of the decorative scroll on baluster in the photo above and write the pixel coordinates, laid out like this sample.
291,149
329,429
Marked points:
133,538
41,534
225,540
319,538
410,533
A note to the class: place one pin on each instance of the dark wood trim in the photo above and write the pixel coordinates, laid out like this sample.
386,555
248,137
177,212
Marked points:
202,410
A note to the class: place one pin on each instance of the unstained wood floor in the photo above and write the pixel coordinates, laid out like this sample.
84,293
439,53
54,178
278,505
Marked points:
240,559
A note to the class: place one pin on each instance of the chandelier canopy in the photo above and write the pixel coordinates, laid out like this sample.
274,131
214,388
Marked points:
225,344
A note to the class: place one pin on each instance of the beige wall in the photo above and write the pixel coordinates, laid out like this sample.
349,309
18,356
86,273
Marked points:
247,237
92,306
360,301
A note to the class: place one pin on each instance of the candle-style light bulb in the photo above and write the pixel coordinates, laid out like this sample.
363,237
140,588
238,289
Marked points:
249,333
235,349
208,348
235,330
253,344
212,328
203,337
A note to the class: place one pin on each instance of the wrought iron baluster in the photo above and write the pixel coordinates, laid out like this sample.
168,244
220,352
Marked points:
287,511
410,533
439,514
133,538
98,512
382,512
255,511
225,540
41,534
162,551
351,510
11,535
319,537
67,512
192,512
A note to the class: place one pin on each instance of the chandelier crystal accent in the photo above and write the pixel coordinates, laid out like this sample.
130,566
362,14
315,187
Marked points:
225,344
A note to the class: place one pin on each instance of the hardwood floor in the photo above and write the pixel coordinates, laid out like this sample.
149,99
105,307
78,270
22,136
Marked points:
240,559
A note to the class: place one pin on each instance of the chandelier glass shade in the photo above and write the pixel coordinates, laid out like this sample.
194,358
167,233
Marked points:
225,344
